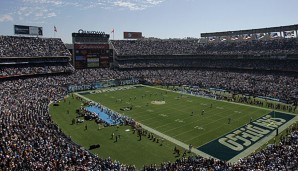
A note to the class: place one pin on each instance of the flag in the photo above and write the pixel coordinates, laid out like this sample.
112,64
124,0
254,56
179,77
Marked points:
260,35
274,35
289,34
223,39
113,31
211,39
55,29
234,38
247,36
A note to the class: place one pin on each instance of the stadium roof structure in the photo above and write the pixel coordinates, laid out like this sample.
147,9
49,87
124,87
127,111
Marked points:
251,31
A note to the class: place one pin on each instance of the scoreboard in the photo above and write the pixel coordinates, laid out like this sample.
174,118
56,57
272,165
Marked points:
92,55
91,50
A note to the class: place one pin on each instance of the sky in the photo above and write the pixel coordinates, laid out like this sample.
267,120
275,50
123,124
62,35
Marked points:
154,18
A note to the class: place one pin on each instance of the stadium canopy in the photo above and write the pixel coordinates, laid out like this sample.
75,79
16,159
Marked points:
251,31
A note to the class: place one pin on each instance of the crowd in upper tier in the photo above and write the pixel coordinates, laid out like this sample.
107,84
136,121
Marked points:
14,46
192,47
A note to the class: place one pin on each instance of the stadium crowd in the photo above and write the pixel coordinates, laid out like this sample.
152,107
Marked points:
30,140
14,46
192,47
256,48
155,47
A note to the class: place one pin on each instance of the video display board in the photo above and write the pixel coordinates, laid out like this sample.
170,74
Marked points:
91,55
28,30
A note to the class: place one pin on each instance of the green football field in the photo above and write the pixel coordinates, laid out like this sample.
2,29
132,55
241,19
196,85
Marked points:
192,120
186,118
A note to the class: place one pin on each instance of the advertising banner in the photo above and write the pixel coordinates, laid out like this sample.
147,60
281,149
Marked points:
132,35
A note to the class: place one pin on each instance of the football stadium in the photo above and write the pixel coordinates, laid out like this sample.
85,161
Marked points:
224,101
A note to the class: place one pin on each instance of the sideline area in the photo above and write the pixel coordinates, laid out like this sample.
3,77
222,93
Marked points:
102,115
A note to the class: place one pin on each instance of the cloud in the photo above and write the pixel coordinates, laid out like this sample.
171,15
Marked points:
131,6
42,9
134,5
24,11
6,18
154,2
50,2
35,13
51,14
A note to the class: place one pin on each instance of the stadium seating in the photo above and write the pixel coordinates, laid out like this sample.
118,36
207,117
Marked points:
192,47
13,46
21,56
29,140
273,55
24,117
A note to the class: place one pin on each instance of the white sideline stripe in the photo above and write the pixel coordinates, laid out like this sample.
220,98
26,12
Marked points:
177,142
166,137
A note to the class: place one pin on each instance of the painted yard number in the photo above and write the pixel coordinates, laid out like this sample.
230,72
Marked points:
198,128
163,115
179,120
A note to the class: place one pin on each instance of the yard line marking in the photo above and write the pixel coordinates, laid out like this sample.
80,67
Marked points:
210,130
217,115
164,125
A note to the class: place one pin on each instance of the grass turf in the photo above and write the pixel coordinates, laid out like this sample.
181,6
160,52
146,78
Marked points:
181,117
128,149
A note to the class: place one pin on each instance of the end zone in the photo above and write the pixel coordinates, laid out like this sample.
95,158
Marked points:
246,139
